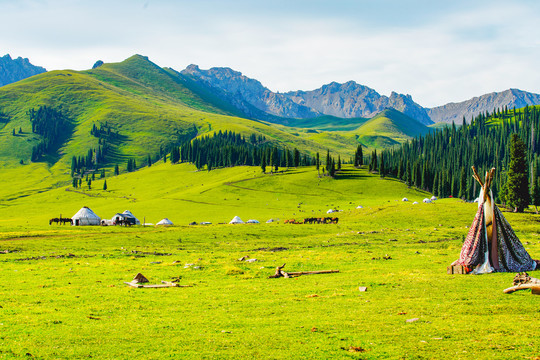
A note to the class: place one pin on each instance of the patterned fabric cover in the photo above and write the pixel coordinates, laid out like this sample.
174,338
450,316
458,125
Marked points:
512,255
474,247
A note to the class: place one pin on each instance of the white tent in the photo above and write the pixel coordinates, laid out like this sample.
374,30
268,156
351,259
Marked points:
359,207
404,199
414,203
236,220
433,198
252,221
128,219
165,222
269,221
331,211
427,201
127,212
86,216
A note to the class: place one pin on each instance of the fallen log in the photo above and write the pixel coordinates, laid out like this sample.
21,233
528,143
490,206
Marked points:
280,273
523,281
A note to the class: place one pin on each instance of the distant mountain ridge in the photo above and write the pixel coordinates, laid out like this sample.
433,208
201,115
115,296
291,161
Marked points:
249,96
354,100
13,70
347,100
454,112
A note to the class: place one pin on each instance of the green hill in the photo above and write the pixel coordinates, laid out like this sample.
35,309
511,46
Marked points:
389,127
149,107
144,110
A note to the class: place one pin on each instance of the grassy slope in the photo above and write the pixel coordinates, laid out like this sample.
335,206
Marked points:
388,128
233,311
149,106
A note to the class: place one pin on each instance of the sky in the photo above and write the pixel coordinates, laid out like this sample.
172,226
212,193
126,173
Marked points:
436,51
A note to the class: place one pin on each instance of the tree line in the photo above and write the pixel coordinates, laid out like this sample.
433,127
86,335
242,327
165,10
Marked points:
440,161
52,126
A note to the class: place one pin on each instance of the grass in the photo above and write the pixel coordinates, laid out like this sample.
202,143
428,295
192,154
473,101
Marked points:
62,293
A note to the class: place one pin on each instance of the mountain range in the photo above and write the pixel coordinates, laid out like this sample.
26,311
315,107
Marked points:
347,100
13,70
246,97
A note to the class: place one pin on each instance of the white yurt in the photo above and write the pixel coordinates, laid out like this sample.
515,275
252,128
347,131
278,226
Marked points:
236,220
86,216
359,207
127,212
415,203
165,222
404,199
433,198
427,201
252,221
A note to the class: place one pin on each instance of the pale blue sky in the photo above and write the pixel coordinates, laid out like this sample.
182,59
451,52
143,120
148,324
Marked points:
436,51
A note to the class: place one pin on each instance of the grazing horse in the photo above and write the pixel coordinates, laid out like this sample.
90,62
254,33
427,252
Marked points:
61,220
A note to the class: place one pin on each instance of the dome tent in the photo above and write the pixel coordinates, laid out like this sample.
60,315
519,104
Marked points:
127,212
86,216
236,220
165,222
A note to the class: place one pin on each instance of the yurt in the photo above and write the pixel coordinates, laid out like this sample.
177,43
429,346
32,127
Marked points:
252,221
127,212
404,199
433,198
85,216
165,222
236,220
427,201
124,219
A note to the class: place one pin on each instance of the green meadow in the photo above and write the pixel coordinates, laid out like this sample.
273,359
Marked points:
62,291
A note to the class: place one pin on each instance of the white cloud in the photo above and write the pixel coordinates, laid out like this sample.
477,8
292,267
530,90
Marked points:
436,52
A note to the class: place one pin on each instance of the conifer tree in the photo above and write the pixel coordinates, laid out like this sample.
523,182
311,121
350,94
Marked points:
116,170
518,182
105,185
535,189
263,164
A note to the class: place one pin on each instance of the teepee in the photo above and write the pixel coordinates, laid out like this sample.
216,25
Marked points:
491,244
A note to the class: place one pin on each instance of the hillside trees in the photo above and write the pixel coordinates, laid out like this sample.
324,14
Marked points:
518,182
434,162
227,149
53,128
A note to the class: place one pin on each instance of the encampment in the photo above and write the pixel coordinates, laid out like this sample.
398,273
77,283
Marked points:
491,244
165,222
86,216
236,220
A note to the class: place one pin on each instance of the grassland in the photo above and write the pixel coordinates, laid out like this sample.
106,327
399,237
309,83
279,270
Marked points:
62,293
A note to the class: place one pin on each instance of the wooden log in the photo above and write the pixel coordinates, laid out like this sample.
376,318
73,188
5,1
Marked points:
520,287
298,273
280,273
132,284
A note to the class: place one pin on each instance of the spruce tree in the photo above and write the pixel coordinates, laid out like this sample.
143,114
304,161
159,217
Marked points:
518,181
462,184
105,185
116,170
263,164
535,190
